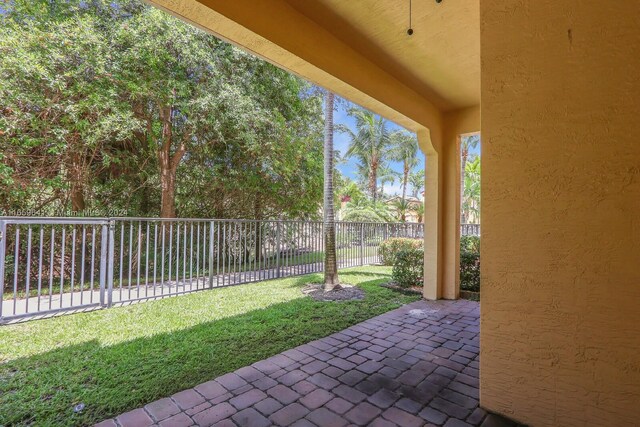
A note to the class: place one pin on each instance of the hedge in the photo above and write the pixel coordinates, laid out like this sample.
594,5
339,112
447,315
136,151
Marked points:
408,268
470,263
390,248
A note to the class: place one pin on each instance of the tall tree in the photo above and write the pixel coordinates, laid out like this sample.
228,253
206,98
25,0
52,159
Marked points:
115,104
386,175
59,110
416,182
467,143
368,143
420,212
471,195
331,279
170,81
404,148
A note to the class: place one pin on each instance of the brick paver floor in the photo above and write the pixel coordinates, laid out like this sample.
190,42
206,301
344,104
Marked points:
414,366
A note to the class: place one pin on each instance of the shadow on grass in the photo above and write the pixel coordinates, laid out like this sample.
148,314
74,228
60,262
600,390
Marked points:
301,281
44,388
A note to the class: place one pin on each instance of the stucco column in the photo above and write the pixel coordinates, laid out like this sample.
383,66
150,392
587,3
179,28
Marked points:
442,202
455,124
432,216
450,214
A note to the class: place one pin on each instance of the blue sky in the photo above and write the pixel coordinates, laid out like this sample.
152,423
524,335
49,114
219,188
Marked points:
341,143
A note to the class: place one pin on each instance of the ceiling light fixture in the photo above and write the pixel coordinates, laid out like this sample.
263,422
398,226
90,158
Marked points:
410,30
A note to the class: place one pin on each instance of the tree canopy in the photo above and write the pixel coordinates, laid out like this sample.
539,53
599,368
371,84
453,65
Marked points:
115,104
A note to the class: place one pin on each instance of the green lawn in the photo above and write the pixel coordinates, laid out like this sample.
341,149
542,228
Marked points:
286,261
119,359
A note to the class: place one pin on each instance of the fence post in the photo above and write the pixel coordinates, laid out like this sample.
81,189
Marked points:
3,232
104,249
211,224
362,244
278,248
110,261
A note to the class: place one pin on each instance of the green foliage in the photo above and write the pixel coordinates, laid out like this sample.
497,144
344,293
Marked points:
401,207
366,210
408,268
404,148
94,94
471,194
386,175
390,248
368,144
416,182
470,263
470,178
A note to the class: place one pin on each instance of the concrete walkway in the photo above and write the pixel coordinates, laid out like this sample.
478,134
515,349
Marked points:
414,366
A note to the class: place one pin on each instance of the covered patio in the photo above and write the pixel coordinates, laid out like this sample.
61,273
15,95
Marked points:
556,83
414,365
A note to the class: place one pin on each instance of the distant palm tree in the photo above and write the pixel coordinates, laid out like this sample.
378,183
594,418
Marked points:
368,143
420,211
467,143
402,207
386,175
365,210
416,181
404,149
471,195
331,279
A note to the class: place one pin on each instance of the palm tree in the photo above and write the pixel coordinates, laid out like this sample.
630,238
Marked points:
369,143
416,181
331,279
420,212
386,175
402,207
466,143
471,195
365,210
405,150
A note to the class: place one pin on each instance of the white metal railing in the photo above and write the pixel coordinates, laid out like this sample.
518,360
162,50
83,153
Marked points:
469,229
50,265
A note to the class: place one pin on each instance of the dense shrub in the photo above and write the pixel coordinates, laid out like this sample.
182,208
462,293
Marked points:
390,248
470,263
408,267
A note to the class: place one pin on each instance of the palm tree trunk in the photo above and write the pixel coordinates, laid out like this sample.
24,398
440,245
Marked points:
464,153
330,254
405,179
373,179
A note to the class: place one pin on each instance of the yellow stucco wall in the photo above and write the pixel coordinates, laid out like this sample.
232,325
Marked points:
560,313
455,124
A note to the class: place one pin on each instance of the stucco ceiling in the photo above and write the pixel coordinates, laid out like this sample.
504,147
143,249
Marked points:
440,61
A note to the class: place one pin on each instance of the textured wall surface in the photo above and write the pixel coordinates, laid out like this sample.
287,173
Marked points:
560,322
455,124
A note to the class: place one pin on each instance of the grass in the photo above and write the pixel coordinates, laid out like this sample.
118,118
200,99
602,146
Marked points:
119,359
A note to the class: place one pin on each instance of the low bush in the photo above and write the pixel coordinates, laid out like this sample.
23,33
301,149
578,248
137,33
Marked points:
408,268
391,247
470,263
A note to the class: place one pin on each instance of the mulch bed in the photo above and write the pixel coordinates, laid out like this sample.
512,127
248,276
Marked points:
410,290
470,295
343,292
